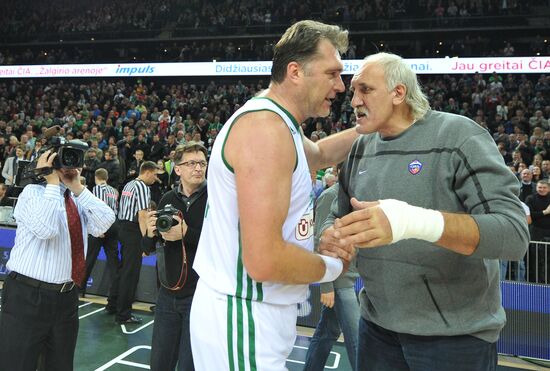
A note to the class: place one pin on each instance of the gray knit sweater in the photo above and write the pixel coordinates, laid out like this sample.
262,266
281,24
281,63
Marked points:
449,163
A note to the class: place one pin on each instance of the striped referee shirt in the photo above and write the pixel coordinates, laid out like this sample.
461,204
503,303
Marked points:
107,194
135,196
42,248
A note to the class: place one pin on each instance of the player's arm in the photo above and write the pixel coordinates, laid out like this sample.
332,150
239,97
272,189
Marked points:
330,150
261,151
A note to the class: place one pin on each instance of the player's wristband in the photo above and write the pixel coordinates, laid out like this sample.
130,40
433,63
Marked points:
412,221
333,268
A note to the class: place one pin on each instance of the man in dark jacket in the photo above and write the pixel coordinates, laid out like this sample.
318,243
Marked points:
157,149
112,166
527,185
91,163
176,250
133,169
539,204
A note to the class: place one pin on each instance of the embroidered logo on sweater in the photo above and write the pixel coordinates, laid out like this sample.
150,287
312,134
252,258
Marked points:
415,167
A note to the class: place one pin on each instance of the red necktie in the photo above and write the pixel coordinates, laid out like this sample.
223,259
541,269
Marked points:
78,268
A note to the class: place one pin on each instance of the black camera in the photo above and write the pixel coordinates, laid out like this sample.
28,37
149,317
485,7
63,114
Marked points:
70,155
165,218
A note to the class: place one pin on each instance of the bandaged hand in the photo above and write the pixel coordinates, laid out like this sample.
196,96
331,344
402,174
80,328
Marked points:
376,223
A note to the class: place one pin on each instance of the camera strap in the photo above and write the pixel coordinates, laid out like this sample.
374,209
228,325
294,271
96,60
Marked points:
162,266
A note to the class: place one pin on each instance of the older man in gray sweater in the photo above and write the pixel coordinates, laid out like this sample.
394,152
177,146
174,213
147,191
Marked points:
430,203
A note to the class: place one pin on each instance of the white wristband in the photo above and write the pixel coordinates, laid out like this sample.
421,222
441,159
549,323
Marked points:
412,221
333,268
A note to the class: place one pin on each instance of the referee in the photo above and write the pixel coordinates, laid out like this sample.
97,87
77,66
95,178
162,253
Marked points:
109,240
132,215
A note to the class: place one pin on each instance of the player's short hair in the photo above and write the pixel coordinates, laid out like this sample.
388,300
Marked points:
102,174
300,44
148,166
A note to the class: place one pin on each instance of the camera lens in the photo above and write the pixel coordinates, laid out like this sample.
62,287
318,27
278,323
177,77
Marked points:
70,157
164,223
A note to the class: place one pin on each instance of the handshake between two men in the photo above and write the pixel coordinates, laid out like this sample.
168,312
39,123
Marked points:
378,223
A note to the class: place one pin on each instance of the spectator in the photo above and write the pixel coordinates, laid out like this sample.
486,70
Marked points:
527,185
539,204
112,166
9,171
133,169
91,163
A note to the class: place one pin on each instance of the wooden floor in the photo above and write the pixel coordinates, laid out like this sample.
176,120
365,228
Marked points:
103,345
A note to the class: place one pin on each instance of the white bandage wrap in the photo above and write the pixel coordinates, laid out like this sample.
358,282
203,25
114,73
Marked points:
333,268
412,221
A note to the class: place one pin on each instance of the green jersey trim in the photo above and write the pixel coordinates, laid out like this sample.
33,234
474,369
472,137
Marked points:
227,165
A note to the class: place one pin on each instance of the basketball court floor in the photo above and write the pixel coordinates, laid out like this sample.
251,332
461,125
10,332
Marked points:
103,345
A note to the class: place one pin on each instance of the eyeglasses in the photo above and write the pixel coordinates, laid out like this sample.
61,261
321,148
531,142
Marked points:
192,164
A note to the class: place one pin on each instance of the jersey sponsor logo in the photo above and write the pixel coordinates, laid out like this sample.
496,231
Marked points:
304,229
415,167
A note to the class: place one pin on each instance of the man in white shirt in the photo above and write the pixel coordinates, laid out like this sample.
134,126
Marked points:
40,301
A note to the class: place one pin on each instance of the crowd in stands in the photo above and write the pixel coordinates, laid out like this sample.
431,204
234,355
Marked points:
68,31
262,49
26,20
155,116
266,13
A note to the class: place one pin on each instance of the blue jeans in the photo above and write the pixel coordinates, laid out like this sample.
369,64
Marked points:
345,316
384,350
520,266
171,340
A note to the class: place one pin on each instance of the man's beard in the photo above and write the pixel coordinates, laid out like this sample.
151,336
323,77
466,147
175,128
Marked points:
69,174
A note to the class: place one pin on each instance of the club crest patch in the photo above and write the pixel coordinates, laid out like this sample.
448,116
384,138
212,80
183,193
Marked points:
415,167
304,229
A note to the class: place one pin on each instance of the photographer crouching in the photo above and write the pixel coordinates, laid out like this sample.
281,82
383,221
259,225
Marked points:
174,231
40,300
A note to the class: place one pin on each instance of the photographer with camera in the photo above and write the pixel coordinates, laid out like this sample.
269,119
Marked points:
40,302
174,232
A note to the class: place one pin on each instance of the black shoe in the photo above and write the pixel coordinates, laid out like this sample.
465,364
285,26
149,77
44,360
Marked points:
131,320
109,311
152,308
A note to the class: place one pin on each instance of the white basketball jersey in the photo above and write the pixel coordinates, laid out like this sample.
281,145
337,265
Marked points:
219,256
